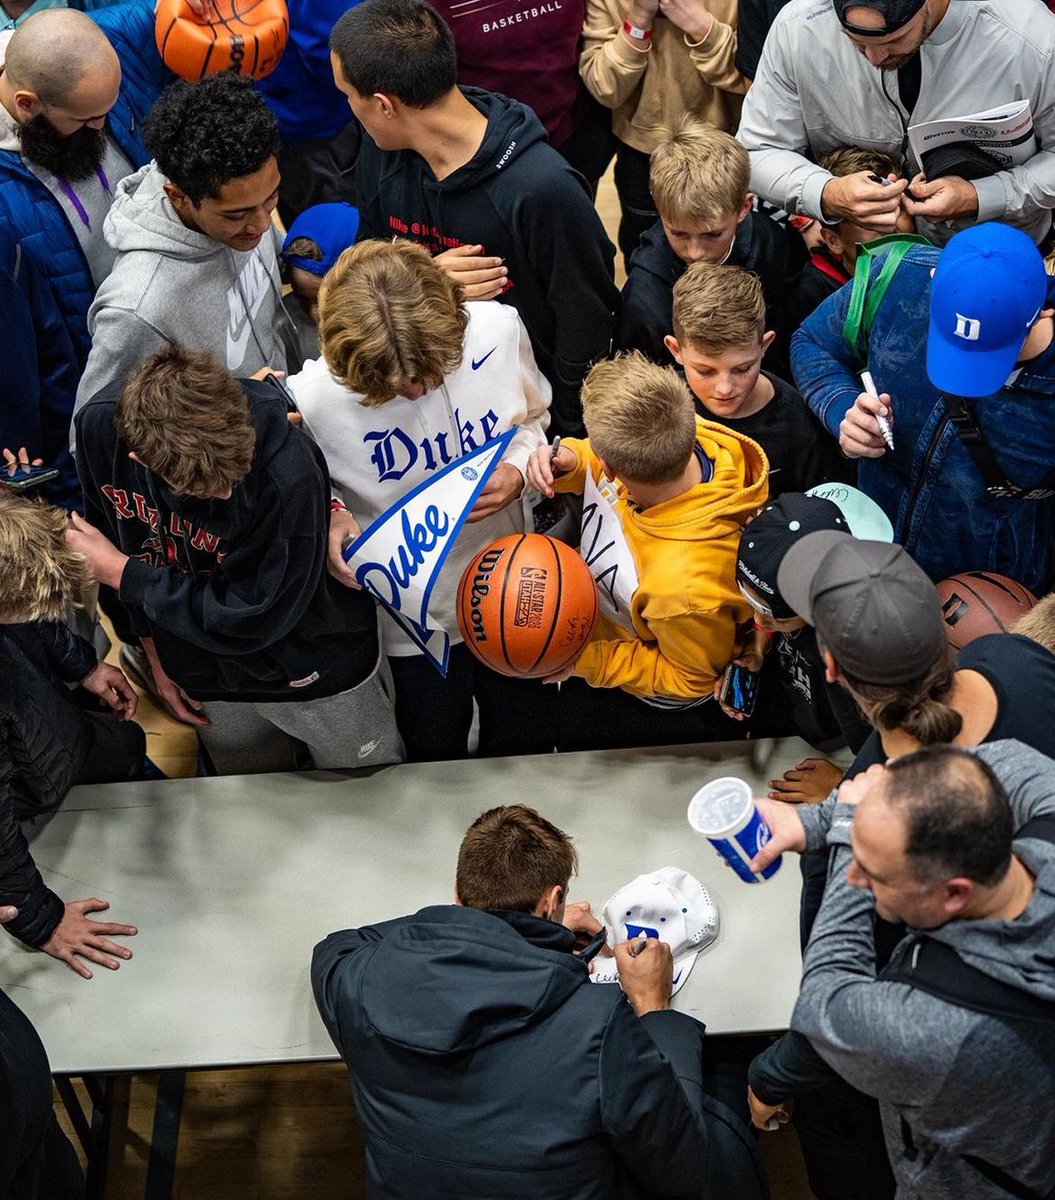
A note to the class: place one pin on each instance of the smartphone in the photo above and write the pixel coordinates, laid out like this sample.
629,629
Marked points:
25,478
283,391
739,689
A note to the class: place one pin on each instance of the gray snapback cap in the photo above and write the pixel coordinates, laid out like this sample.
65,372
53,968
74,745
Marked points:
871,605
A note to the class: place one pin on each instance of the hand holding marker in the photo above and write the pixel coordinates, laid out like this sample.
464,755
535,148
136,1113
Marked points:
884,425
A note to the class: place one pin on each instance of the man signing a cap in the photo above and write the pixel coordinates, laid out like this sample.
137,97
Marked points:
859,74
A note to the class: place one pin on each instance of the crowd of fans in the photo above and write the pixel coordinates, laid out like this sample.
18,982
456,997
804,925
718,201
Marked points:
811,313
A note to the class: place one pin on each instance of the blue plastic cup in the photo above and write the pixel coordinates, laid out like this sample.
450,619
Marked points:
724,812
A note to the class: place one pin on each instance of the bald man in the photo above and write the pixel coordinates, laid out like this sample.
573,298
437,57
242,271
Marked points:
74,90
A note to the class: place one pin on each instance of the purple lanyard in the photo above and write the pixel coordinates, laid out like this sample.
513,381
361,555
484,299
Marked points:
75,200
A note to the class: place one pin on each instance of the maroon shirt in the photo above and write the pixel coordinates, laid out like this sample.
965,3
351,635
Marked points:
525,49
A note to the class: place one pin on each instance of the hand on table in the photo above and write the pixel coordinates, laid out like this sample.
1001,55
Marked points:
808,782
768,1117
107,563
8,912
646,972
113,689
480,276
504,486
78,936
859,433
342,527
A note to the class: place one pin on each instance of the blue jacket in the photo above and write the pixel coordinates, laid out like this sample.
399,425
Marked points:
38,383
485,1063
35,217
929,485
300,90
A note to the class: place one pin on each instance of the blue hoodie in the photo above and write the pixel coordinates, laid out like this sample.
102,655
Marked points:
929,485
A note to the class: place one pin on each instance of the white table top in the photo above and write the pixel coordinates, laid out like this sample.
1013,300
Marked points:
231,882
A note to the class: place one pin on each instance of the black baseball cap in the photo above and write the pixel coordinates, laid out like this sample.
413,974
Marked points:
871,605
772,533
897,13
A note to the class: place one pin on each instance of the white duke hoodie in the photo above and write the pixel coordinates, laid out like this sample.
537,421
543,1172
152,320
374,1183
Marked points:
376,455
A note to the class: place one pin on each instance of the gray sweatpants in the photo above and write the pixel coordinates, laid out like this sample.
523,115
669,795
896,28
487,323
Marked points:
353,729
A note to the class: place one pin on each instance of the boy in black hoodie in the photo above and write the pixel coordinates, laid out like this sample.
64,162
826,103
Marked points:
468,174
219,509
699,179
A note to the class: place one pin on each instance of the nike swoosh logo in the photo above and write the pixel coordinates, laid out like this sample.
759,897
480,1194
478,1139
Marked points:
477,363
369,748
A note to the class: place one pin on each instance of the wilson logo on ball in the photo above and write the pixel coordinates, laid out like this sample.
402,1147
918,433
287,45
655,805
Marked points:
527,606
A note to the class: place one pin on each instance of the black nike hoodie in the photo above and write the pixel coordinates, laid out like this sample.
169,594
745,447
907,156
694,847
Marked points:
235,593
518,198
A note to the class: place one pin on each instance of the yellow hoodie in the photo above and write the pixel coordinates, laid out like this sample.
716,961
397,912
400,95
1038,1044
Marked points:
686,607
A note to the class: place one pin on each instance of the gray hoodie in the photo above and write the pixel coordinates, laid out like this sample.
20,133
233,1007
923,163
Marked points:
963,1082
173,284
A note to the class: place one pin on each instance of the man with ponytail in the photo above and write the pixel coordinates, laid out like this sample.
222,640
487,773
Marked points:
879,627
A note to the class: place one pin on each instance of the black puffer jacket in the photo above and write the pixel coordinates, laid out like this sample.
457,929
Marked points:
43,741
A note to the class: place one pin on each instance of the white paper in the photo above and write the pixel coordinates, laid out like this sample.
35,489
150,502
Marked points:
607,553
1005,132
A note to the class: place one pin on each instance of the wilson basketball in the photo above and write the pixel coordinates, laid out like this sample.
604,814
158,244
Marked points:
527,605
244,36
975,603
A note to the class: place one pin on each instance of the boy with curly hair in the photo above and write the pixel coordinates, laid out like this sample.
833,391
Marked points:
196,251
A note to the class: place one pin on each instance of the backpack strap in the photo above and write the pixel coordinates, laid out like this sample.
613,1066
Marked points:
935,968
867,294
1041,828
996,482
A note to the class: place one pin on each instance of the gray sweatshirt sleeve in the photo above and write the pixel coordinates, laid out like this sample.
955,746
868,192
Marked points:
884,1038
1027,775
120,342
774,133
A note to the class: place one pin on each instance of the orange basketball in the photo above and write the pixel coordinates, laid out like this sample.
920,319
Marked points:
975,603
244,36
527,605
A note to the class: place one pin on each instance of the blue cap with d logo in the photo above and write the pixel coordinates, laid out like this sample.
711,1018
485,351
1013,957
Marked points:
988,289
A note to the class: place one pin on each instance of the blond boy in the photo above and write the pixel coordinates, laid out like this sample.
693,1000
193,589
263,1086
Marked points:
719,339
699,179
665,495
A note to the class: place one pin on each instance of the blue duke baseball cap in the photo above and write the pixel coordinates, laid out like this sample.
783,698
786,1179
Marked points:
989,287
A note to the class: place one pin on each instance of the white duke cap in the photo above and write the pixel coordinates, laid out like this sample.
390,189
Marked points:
669,904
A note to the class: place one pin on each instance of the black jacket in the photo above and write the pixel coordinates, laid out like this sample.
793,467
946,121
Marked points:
518,198
43,741
645,315
36,1161
486,1064
235,593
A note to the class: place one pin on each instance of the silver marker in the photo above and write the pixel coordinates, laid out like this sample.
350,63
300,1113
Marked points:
882,422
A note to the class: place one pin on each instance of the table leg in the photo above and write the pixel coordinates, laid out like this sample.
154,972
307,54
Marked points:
164,1141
